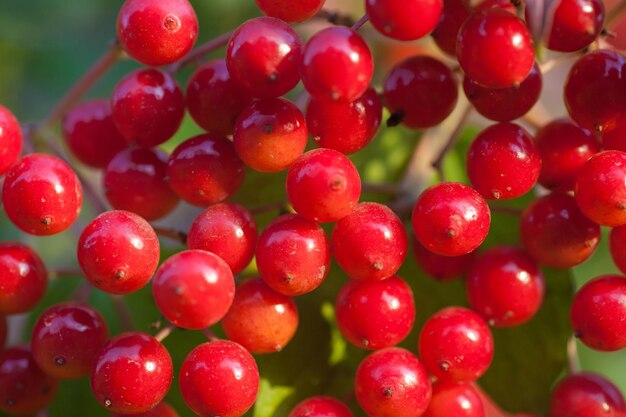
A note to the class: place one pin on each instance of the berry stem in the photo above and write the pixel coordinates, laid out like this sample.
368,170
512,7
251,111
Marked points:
64,273
452,140
511,211
335,18
573,363
171,234
164,332
264,208
123,312
380,188
210,335
199,52
363,20
82,293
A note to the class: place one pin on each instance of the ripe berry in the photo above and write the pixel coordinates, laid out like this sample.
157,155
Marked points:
323,185
270,135
148,107
375,315
214,99
205,170
392,382
135,180
290,11
10,139
157,32
555,232
440,267
263,57
42,195
451,219
66,339
118,252
163,409
193,289
345,127
337,65
598,313
505,286
293,255
456,345
219,379
23,278
451,399
396,18
503,162
453,15
617,247
90,133
586,395
131,373
260,319
370,243
24,388
575,24
321,407
495,48
420,91
229,231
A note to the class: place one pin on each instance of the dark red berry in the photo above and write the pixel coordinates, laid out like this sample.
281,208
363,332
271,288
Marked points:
615,138
575,24
453,15
290,11
586,395
617,247
452,399
23,278
321,407
441,267
10,139
396,18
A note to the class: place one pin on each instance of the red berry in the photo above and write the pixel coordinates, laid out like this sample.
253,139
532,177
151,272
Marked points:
615,138
451,219
392,382
263,57
586,395
575,24
453,15
229,231
10,139
456,345
163,409
598,313
396,18
205,170
505,286
495,48
148,107
219,379
321,407
260,319
337,65
323,185
370,243
293,255
42,195
66,339
441,267
451,399
617,247
157,32
290,11
23,278
193,289
131,373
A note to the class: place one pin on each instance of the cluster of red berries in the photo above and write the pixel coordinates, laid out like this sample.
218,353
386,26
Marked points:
580,163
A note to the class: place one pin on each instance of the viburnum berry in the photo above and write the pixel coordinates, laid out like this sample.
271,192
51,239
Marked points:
441,267
453,15
321,407
455,399
23,278
574,24
586,394
10,139
396,18
290,11
163,409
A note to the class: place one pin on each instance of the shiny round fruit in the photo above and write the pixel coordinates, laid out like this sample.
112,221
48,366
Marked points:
440,267
23,278
321,407
10,139
453,15
452,399
396,18
289,10
585,395
575,24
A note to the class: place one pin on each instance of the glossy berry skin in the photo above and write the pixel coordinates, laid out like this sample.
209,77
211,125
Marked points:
370,243
505,286
598,313
453,15
555,232
205,170
157,33
451,219
42,195
131,373
214,99
440,267
503,162
90,133
375,315
219,379
136,180
323,185
321,407
293,255
148,107
505,104
345,127
495,48
66,339
601,188
392,382
24,388
10,139
118,252
451,399
260,319
565,148
456,345
586,394
575,24
229,231
263,56
23,278
290,11
422,90
163,409
336,65
617,247
396,18
593,90
270,135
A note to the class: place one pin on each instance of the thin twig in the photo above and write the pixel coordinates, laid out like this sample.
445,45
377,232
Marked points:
199,52
573,362
82,293
172,234
380,188
512,211
164,332
336,18
123,312
452,140
264,208
363,20
65,273
210,335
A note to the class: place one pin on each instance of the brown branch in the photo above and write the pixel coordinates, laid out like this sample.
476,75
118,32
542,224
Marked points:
363,20
164,332
452,140
336,18
123,312
264,208
199,52
512,211
380,188
171,234
573,362
210,335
